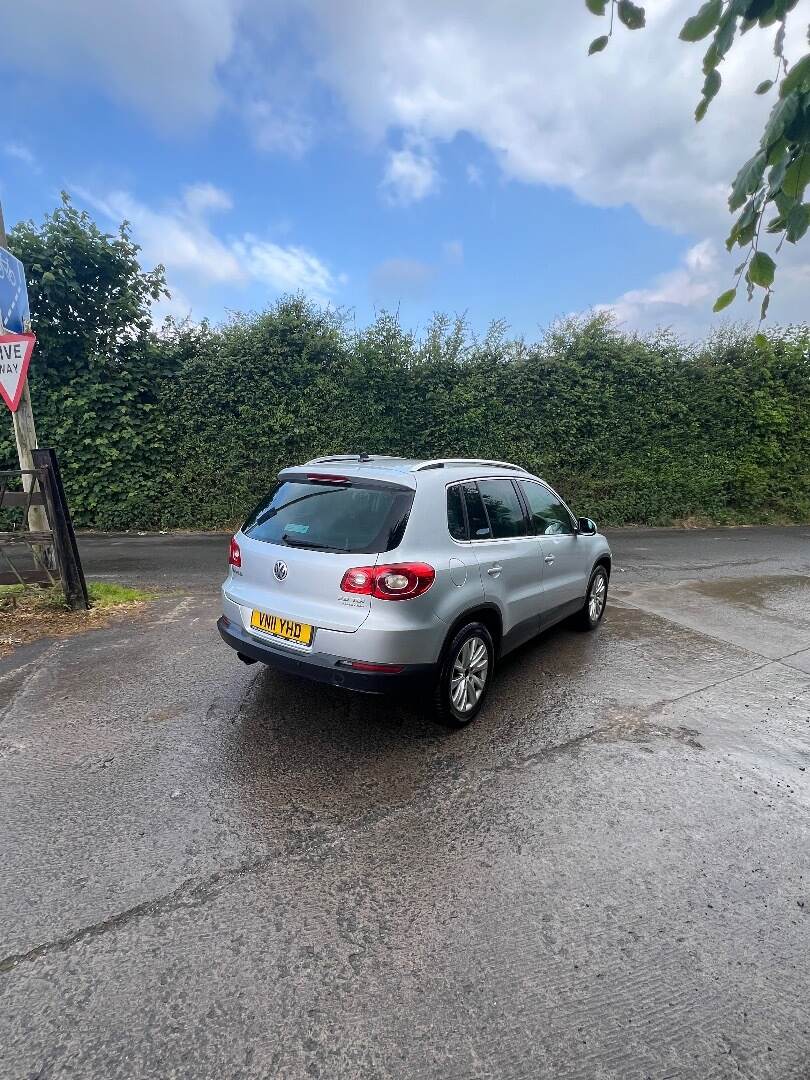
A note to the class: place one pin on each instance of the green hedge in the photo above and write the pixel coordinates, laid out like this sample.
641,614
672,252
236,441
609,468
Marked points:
186,427
631,429
189,432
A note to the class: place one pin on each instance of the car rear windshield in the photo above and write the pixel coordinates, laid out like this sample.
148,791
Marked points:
356,517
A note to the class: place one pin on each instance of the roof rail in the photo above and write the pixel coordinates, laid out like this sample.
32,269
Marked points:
440,463
342,457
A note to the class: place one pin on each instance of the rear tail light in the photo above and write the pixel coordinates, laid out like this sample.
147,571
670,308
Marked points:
397,581
234,555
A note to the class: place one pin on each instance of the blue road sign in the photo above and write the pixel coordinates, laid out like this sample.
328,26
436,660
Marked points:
14,311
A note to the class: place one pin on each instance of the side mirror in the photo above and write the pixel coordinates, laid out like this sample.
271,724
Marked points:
586,526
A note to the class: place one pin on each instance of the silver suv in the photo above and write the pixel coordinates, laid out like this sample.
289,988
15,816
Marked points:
375,572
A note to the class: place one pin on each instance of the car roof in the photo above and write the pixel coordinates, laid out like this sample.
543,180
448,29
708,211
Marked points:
407,471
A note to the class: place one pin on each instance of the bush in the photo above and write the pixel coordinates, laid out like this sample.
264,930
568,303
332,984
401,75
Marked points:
186,427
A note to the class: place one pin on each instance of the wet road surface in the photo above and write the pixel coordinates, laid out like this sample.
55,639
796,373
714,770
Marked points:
210,870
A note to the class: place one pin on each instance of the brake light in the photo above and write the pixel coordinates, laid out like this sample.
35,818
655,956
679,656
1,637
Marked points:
396,581
326,478
234,555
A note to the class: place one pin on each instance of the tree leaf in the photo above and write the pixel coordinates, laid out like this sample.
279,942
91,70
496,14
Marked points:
711,59
746,234
701,24
784,203
761,341
764,86
726,30
711,84
763,311
798,130
776,175
724,299
631,15
777,152
747,180
779,40
702,109
781,116
598,44
754,8
797,78
761,270
797,176
798,221
596,7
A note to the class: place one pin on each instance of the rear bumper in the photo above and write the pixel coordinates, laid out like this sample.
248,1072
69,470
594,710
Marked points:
321,667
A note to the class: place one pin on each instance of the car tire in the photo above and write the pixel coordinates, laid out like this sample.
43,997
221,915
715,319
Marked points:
465,676
593,609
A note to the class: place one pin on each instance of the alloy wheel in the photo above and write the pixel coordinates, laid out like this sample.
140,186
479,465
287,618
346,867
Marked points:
596,597
469,674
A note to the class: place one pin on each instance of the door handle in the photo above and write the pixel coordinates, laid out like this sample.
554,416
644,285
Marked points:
494,571
549,559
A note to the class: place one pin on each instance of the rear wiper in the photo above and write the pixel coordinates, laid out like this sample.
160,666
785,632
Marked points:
312,547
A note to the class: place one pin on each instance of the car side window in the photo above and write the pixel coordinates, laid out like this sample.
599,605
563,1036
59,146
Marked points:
503,508
476,514
549,516
456,522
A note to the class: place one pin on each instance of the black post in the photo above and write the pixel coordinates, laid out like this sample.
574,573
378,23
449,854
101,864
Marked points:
64,539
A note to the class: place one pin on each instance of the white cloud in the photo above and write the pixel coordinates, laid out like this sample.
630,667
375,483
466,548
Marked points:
200,199
453,251
689,284
615,129
161,56
683,297
176,236
286,269
278,128
22,153
410,175
179,236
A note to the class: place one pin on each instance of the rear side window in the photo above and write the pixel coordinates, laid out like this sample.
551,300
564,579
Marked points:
503,508
456,522
327,517
476,514
548,514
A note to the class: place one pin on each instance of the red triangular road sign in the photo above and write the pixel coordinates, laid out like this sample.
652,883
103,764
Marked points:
15,355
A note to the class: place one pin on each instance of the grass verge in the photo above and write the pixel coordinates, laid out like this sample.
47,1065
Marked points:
29,613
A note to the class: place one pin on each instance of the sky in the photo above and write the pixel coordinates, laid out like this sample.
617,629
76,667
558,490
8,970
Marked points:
461,156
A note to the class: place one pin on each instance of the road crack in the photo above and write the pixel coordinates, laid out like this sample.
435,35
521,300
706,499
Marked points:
191,893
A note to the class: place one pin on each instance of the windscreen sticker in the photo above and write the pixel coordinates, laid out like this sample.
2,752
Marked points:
293,528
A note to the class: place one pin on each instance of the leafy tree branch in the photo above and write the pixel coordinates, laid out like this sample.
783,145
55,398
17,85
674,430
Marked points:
774,180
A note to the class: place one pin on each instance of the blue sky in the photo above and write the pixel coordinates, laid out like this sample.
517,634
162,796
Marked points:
471,160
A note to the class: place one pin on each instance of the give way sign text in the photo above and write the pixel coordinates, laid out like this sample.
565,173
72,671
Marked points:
15,355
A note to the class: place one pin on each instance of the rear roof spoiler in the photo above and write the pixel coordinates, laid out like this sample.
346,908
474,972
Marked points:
351,478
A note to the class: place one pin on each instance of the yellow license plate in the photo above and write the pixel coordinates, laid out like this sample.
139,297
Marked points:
288,629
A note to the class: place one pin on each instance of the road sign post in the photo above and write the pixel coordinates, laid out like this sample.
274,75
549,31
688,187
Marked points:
15,317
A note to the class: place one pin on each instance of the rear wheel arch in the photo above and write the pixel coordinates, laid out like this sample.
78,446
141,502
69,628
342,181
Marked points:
487,614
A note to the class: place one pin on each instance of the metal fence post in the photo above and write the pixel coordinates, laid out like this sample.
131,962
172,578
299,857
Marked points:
64,538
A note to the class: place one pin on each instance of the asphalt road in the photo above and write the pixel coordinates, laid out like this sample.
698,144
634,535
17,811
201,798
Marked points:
216,871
